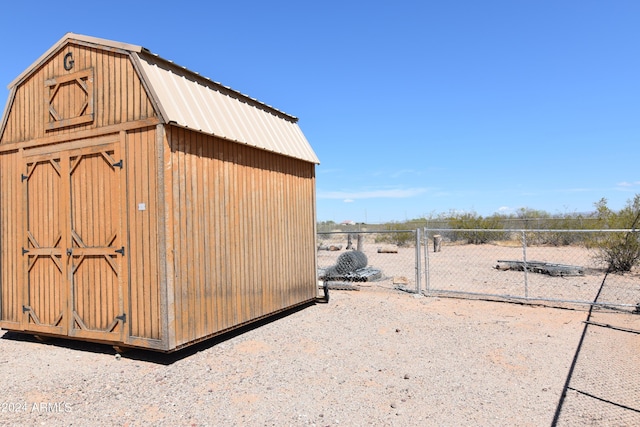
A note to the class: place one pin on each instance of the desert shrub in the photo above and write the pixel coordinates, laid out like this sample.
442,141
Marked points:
618,251
474,229
553,238
399,235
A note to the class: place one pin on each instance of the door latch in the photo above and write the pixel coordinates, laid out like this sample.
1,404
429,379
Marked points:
69,251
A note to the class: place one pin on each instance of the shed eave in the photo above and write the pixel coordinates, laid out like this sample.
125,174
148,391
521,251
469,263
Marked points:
311,159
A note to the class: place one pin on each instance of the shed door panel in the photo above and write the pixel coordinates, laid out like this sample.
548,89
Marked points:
74,251
97,248
45,305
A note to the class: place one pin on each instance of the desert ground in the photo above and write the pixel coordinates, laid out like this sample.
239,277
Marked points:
376,356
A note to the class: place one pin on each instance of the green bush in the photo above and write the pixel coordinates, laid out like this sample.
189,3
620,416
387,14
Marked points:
618,251
477,230
400,236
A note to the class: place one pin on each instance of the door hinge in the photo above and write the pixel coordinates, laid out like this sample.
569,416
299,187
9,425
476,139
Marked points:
120,251
25,308
117,165
24,251
23,177
123,317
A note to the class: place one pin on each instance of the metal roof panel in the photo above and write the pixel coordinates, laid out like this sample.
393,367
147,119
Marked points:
195,102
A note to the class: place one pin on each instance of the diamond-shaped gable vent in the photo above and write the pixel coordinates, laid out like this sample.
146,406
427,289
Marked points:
69,100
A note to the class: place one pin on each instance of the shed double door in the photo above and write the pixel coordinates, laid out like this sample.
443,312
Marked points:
74,254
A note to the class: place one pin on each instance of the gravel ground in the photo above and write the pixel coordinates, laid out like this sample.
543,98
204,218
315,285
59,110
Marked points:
377,356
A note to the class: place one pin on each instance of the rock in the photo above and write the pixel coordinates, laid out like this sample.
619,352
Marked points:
400,280
388,249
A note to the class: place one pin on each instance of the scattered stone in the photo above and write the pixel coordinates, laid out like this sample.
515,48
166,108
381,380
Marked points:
388,249
400,280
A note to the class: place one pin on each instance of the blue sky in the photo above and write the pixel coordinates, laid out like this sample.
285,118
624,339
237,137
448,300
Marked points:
414,108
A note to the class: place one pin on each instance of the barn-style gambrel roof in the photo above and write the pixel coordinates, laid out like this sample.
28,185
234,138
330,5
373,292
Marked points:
186,99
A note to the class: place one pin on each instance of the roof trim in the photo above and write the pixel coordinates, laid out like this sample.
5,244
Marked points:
7,108
153,95
98,42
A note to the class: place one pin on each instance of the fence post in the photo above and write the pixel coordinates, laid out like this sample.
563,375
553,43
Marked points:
426,261
418,270
524,259
437,243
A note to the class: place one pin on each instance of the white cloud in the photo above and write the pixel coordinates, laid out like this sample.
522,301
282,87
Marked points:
628,184
373,194
348,200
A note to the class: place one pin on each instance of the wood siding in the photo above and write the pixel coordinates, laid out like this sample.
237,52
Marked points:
10,239
242,221
117,95
143,234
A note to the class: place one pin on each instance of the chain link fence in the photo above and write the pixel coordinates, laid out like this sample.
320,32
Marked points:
529,265
560,266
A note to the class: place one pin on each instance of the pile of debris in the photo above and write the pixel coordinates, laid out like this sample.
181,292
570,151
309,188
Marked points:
350,267
541,267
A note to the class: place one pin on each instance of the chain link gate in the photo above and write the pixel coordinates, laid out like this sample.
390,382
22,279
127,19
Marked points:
526,265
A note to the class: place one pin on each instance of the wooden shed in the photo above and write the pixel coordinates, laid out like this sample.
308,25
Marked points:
143,205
